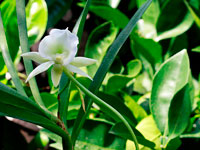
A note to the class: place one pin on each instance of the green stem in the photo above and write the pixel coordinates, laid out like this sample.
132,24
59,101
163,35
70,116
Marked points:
101,103
8,61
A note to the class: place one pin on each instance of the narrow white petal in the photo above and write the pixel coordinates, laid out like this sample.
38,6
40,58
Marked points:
56,73
41,68
35,56
77,70
82,61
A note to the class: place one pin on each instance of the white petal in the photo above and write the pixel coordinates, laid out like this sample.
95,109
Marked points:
59,42
82,61
35,56
41,68
56,73
77,70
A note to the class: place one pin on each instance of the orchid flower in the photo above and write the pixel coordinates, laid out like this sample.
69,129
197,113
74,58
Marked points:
58,50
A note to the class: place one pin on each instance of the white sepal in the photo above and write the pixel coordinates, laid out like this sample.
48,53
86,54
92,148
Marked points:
82,61
41,68
35,56
78,71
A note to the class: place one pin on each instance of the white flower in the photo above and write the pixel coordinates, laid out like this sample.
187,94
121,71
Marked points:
58,50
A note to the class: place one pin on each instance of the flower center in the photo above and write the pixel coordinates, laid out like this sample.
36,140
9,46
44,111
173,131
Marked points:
59,59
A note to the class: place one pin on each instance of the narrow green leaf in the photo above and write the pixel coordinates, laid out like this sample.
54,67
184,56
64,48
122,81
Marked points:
79,26
104,67
63,88
172,76
8,60
21,16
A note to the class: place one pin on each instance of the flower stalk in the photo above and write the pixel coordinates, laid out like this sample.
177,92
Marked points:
101,103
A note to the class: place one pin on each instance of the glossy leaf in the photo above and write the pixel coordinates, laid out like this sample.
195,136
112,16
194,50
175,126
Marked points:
120,130
179,112
88,138
152,135
179,22
98,43
120,106
36,14
149,53
105,65
117,17
135,108
172,76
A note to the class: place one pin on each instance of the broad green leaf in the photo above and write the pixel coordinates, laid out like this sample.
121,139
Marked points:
179,112
98,43
134,67
120,130
180,21
150,131
176,44
116,82
172,76
36,14
149,53
105,65
94,135
135,108
56,10
120,106
116,16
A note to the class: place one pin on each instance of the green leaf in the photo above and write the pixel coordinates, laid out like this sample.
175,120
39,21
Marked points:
179,112
149,53
117,17
119,105
149,130
105,65
152,13
172,76
136,109
22,27
8,9
180,21
193,13
143,83
120,130
36,14
56,10
98,43
8,60
196,49
134,67
94,135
